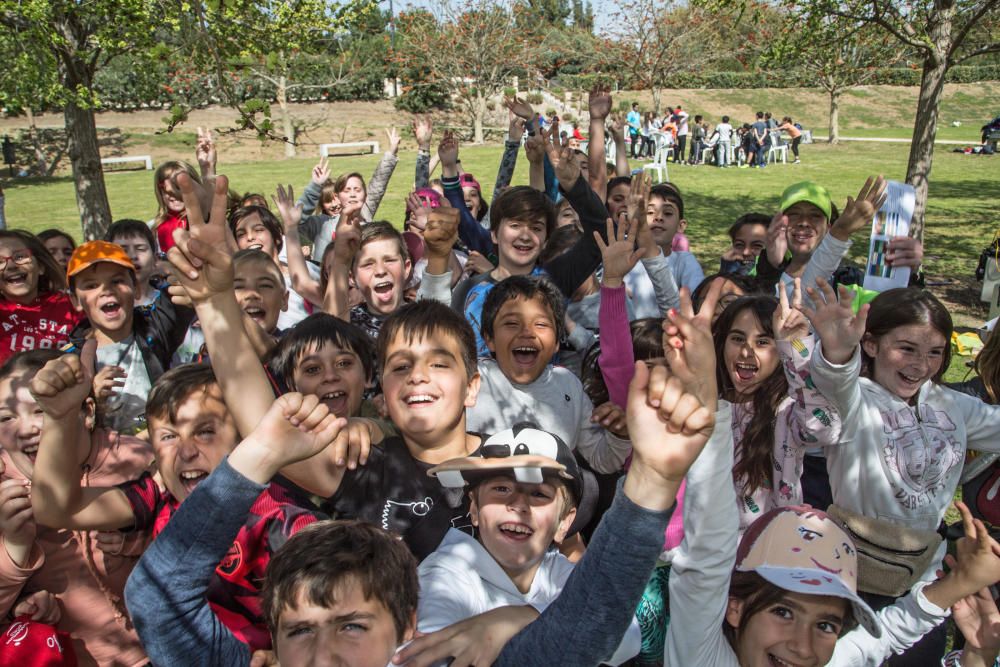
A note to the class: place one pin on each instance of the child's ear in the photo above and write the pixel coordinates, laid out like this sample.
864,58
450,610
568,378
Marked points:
869,345
411,628
493,235
682,226
89,410
284,301
473,509
734,612
564,525
77,306
472,392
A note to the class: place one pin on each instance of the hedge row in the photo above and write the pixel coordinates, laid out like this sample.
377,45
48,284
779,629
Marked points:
895,76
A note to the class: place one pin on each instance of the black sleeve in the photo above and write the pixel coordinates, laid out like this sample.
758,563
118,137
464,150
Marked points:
767,275
569,270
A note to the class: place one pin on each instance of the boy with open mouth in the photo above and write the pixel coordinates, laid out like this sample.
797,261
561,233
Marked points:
192,432
523,486
134,345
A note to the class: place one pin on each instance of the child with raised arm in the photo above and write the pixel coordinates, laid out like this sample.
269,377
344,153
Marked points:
354,196
376,259
192,432
170,593
426,354
899,457
73,580
522,219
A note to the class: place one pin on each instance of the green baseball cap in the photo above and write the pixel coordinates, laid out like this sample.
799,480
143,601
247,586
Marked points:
810,192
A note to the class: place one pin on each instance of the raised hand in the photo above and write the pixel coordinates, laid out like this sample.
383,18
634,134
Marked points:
205,151
638,195
534,148
290,210
688,346
617,129
448,151
599,103
418,212
519,107
423,131
62,385
562,157
515,127
777,239
215,231
17,522
838,327
347,241
788,322
441,231
858,212
669,428
320,173
978,618
394,140
619,255
977,562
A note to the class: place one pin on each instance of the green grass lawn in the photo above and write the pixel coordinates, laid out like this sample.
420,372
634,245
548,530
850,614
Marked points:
961,219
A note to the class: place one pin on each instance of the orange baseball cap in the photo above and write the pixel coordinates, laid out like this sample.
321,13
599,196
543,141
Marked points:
92,252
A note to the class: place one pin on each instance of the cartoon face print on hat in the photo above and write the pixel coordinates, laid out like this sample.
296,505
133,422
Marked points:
522,440
808,541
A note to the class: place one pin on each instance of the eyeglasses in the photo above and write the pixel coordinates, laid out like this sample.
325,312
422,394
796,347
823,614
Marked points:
21,257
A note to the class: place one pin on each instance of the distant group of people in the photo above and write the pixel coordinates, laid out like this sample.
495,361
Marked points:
745,145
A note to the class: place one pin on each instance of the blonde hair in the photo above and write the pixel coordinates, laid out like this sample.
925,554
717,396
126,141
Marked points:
166,172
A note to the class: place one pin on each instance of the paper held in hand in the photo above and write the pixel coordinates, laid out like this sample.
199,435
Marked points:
892,220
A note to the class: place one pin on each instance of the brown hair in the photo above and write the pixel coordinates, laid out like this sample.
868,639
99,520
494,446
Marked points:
320,561
380,230
174,387
166,172
755,465
522,202
904,306
427,318
52,277
758,594
341,183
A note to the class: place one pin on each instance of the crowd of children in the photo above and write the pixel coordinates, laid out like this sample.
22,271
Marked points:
526,431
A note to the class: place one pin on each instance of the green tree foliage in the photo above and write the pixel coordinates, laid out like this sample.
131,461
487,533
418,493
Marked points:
939,33
57,47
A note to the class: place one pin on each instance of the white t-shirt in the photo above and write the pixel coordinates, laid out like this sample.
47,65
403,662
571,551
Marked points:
682,123
725,131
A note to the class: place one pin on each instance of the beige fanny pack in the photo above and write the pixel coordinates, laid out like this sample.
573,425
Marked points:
891,556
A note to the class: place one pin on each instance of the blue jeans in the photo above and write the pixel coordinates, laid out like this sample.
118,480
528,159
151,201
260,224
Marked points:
722,150
761,154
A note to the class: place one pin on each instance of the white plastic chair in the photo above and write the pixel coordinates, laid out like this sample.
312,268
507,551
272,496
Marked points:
778,149
610,152
659,163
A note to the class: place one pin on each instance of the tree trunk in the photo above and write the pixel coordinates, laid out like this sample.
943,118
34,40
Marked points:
478,117
287,127
918,167
834,133
85,155
657,98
